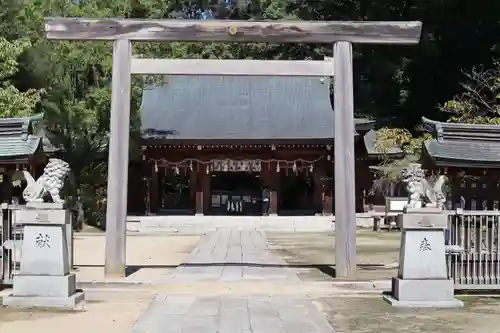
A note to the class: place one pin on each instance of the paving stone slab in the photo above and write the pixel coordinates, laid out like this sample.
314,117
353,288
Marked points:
232,314
232,255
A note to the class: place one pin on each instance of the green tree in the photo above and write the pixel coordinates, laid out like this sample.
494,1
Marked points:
14,103
76,79
390,169
478,103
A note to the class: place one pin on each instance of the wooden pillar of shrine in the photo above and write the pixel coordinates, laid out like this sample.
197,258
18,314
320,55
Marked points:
322,190
193,186
202,189
154,188
274,184
206,190
318,173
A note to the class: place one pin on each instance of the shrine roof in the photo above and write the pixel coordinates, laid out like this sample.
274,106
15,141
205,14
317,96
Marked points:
18,140
463,144
240,107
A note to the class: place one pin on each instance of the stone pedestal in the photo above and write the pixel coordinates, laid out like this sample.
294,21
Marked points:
422,277
44,279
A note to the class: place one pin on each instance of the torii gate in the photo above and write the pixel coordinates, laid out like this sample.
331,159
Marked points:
341,34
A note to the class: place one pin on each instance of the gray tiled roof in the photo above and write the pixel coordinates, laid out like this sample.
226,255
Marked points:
464,151
464,143
17,139
15,146
238,107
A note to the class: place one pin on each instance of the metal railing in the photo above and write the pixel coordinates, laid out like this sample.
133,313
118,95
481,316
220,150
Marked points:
10,238
472,243
473,249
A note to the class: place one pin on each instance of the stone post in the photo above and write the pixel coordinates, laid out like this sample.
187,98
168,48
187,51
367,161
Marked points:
422,277
44,279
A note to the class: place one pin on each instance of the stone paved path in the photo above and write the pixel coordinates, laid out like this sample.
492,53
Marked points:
230,255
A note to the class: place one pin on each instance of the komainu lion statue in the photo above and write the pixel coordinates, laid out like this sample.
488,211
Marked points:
420,192
50,182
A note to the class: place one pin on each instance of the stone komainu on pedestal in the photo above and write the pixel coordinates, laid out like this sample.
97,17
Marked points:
50,182
422,279
45,279
421,193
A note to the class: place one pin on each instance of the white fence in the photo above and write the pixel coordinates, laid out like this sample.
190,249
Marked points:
473,249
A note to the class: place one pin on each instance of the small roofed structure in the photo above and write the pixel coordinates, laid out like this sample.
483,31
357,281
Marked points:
23,146
469,154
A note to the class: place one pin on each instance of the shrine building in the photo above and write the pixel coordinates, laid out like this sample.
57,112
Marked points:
23,146
210,144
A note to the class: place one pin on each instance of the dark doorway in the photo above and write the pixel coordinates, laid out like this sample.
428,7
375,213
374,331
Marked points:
297,195
175,197
235,193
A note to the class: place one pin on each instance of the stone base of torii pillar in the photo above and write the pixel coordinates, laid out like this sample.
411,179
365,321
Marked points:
422,279
44,280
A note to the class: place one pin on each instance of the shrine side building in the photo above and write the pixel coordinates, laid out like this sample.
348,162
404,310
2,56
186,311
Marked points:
469,154
210,144
23,146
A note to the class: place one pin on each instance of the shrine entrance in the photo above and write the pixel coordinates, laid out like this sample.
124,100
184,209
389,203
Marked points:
340,34
235,193
299,198
174,192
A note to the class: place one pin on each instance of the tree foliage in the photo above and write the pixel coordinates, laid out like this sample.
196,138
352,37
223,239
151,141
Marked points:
402,138
390,170
479,103
14,103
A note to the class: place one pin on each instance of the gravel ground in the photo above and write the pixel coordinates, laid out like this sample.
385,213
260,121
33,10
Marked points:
373,315
313,253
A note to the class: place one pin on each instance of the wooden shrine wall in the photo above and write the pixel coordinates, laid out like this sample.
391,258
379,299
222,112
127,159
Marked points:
474,188
144,198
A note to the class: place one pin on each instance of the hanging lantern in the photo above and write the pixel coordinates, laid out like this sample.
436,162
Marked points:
311,168
208,170
156,167
294,167
328,157
190,165
277,167
176,170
